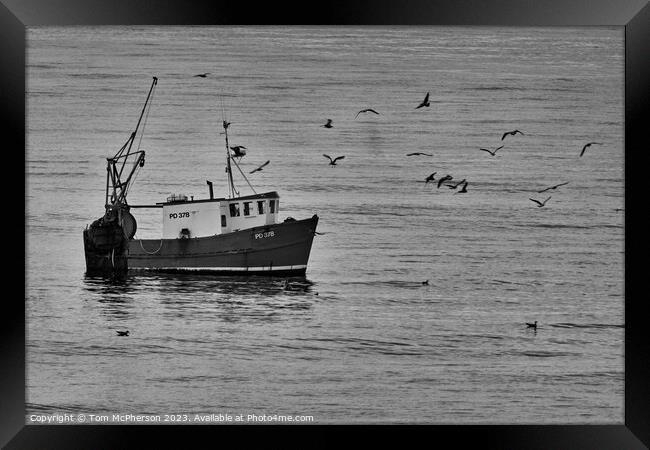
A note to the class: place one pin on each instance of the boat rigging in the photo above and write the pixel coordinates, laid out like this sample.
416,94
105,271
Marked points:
116,189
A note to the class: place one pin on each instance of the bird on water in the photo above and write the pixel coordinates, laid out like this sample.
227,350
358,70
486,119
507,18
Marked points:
429,178
540,204
202,75
328,124
532,325
424,102
588,145
552,187
463,190
425,283
365,111
259,169
510,133
418,153
122,333
333,161
491,152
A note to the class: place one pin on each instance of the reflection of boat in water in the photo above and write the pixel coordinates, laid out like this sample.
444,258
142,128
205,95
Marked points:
233,235
192,285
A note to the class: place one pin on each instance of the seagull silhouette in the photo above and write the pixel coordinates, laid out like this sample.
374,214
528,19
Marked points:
365,111
588,145
202,75
418,153
425,282
260,167
122,333
552,187
443,179
425,102
463,190
491,152
333,161
429,178
328,124
510,133
540,204
454,186
238,150
531,325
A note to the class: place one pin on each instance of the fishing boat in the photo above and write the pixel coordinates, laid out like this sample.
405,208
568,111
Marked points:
228,235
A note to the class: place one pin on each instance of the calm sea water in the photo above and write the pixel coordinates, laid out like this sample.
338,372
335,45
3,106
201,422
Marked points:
360,339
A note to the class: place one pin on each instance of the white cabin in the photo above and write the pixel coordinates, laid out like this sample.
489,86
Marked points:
186,219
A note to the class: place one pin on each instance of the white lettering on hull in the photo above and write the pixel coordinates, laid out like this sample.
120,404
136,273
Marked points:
265,234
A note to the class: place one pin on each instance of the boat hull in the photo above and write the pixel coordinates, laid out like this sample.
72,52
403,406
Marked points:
277,249
105,247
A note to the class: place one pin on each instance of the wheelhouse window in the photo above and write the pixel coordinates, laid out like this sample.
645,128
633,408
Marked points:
272,206
223,220
234,210
260,207
247,208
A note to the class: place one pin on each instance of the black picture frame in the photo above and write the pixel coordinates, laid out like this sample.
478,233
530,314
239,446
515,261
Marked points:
633,15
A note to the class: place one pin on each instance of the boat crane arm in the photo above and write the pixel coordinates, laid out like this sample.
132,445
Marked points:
116,189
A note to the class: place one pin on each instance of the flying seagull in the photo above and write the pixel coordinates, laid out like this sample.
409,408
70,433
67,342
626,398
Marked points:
202,75
260,167
333,161
365,111
239,150
454,186
552,187
418,153
588,145
463,190
122,333
510,133
425,102
429,178
328,124
491,152
531,325
443,179
540,204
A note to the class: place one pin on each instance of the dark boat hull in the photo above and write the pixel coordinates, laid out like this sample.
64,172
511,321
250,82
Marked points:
278,249
105,247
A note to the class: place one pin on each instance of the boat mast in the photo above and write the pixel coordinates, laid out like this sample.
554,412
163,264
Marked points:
231,184
230,160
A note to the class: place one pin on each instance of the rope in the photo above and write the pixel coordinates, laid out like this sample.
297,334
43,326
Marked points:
242,174
144,124
135,175
151,253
